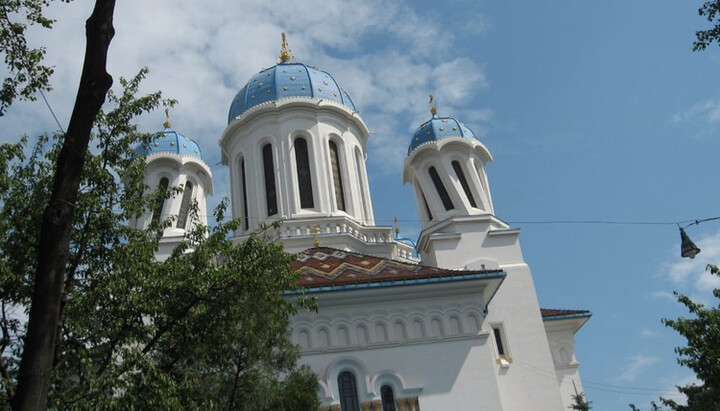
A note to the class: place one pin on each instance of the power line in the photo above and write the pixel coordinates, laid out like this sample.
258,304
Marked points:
52,112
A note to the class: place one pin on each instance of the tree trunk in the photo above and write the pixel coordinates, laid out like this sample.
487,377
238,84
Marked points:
40,340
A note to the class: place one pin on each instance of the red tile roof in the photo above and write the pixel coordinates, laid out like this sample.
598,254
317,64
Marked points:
325,266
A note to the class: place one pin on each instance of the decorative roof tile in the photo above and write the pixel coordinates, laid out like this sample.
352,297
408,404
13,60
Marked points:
324,266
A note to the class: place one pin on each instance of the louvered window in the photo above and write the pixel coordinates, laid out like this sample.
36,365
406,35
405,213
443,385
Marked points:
463,182
243,180
442,192
160,204
185,205
269,169
337,177
427,207
303,171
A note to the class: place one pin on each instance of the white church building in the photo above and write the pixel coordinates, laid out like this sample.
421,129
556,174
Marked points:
451,324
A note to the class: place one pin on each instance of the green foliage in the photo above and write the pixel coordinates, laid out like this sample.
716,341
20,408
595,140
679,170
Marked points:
711,11
580,403
701,355
206,328
25,72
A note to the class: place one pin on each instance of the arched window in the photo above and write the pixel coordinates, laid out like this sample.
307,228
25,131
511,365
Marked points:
269,168
244,194
442,192
427,207
361,183
388,398
337,177
157,213
348,392
303,171
185,205
463,182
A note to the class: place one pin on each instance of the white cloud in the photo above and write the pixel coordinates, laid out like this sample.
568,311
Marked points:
707,111
635,366
663,295
203,55
648,333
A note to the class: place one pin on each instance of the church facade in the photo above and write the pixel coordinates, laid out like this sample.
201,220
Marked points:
452,322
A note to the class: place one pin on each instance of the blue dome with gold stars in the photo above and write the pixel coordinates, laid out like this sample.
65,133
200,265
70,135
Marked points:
287,80
170,141
438,128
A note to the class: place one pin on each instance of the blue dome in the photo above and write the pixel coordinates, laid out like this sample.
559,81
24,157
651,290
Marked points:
438,128
170,141
288,80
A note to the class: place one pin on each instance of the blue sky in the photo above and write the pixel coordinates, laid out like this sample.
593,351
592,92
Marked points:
592,111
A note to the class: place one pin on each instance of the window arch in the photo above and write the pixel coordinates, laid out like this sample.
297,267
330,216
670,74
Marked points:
463,182
337,176
160,204
442,192
243,181
269,169
388,398
361,183
185,205
347,387
302,162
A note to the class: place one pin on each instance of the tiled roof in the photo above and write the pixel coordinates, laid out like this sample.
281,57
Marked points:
324,266
548,314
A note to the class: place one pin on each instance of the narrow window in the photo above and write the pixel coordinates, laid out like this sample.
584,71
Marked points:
303,170
427,207
348,392
269,168
337,177
442,192
157,213
361,182
500,341
463,183
185,205
244,194
388,398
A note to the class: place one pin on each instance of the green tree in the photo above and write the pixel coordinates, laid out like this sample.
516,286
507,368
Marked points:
701,355
580,403
206,328
26,74
711,11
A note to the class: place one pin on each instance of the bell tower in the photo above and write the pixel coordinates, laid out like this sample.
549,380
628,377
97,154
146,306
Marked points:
296,148
174,160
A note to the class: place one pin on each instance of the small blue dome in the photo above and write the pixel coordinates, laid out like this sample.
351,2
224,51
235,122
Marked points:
438,128
287,80
170,141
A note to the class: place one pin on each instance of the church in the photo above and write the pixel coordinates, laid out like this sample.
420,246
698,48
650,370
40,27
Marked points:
451,322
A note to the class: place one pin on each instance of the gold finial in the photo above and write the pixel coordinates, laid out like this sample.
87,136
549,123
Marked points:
316,241
167,123
397,226
285,55
433,109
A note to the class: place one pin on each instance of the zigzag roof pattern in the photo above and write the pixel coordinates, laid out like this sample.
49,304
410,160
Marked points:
324,266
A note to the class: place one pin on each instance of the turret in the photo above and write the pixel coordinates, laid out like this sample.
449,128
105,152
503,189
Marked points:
174,160
446,167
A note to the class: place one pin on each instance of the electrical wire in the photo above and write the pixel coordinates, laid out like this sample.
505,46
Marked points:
597,386
47,103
